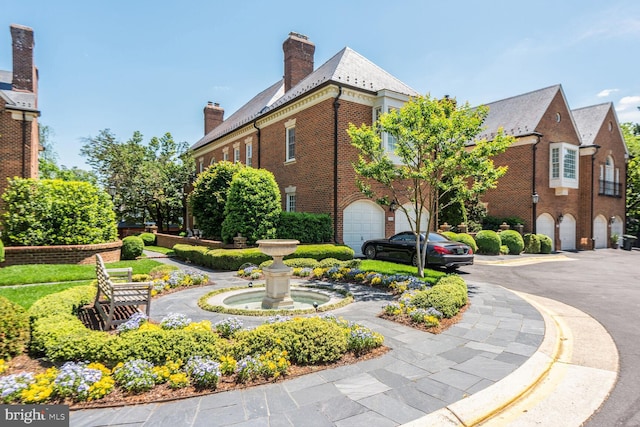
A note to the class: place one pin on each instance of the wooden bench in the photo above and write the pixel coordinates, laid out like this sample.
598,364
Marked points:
116,289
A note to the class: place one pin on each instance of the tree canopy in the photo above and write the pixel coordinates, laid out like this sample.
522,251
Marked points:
631,133
437,160
48,167
147,180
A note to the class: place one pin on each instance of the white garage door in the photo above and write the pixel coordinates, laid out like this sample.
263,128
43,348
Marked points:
402,222
600,232
547,226
362,220
616,228
568,233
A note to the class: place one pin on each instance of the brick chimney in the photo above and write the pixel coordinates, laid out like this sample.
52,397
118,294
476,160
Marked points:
213,116
24,72
298,59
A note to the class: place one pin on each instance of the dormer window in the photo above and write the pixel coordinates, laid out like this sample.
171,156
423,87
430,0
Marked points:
563,167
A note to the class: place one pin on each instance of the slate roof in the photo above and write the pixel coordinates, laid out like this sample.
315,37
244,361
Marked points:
15,100
589,120
347,68
518,115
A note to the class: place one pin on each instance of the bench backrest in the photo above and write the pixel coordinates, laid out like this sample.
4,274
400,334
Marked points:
103,277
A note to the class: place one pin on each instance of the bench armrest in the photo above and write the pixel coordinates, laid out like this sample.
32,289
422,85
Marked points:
131,286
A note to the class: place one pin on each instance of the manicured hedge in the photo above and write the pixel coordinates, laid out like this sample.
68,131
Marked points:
305,227
488,242
14,329
232,259
467,239
513,240
531,243
545,244
447,296
132,247
149,239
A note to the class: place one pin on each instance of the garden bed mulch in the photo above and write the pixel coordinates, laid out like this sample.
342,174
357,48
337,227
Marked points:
162,392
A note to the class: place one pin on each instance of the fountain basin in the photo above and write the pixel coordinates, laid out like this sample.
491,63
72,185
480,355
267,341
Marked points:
251,299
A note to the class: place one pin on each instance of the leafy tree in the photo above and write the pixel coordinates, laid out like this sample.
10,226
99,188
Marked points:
253,206
148,181
438,160
48,161
209,197
631,133
55,212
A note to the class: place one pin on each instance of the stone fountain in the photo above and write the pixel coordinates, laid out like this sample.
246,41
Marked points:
277,275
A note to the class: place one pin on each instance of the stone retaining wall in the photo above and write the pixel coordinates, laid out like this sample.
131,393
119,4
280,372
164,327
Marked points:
67,254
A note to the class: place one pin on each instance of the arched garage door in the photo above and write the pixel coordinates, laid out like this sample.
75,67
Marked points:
568,233
402,223
546,225
600,232
362,220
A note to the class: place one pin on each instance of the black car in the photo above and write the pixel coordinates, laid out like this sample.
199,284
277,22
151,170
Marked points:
401,247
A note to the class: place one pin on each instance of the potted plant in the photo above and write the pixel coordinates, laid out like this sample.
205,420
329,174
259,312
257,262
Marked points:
614,240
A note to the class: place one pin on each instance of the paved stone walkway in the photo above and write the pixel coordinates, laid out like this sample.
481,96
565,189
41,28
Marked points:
421,374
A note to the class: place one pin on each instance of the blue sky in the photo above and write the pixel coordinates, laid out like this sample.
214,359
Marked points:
153,65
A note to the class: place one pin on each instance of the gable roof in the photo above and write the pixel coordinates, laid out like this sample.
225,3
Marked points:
518,115
589,120
347,68
15,100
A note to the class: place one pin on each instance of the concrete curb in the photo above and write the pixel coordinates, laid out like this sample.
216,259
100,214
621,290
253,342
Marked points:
563,383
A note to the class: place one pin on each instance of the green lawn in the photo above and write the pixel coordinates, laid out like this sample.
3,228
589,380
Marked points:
385,267
45,273
27,295
159,249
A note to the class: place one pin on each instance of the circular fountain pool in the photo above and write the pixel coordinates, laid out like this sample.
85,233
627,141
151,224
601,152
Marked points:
250,300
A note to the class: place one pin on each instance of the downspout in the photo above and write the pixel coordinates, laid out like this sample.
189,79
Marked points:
258,129
24,145
336,105
593,158
534,205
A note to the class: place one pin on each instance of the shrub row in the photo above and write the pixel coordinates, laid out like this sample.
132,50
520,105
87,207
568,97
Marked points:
305,227
14,329
447,296
233,259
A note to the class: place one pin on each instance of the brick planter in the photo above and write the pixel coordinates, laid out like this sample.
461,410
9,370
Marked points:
169,241
67,254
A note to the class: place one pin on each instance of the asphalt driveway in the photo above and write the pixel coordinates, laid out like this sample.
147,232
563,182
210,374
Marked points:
604,284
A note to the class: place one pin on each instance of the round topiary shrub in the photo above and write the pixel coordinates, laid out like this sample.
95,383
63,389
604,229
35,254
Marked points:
132,247
149,239
545,243
468,240
488,242
14,329
450,235
513,240
531,243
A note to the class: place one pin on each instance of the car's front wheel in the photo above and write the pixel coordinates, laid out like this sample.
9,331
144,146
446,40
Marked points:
370,252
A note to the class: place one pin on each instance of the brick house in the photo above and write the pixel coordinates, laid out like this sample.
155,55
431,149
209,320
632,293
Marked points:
296,128
19,142
566,168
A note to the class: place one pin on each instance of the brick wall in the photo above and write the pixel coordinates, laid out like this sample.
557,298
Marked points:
71,254
169,241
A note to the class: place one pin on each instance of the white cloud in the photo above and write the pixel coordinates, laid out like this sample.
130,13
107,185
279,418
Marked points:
606,92
628,101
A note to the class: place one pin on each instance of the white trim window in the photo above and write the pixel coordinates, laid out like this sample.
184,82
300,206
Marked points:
200,164
248,154
290,197
563,167
290,140
225,154
236,154
212,161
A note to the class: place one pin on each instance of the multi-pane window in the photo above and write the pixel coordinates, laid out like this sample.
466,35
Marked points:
291,202
570,169
249,154
555,163
291,143
563,167
236,154
225,156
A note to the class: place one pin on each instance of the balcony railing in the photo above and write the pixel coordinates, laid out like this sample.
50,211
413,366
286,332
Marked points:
610,188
